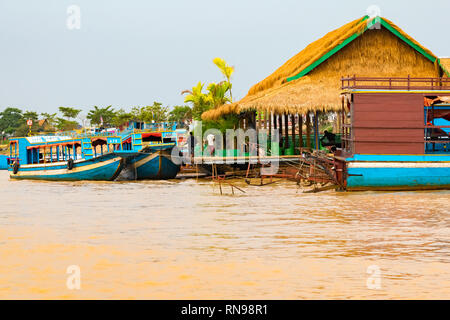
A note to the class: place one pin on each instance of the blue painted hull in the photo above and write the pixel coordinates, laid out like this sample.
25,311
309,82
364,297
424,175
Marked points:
105,167
156,166
3,162
398,172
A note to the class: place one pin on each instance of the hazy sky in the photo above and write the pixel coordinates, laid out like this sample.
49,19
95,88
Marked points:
133,52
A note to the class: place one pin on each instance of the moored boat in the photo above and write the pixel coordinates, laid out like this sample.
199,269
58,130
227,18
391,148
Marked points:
61,158
150,155
153,163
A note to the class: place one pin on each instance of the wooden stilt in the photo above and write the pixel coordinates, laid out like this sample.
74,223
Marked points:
308,131
280,127
293,118
300,130
316,131
286,131
270,125
265,119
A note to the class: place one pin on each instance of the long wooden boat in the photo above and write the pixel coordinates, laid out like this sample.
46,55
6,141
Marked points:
61,158
151,155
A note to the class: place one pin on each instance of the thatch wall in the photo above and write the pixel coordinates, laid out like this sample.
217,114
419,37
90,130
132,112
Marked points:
376,52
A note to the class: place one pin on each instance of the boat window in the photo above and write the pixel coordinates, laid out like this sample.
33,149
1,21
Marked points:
437,124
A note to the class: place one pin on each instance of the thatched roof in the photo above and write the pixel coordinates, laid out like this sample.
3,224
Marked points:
310,80
445,64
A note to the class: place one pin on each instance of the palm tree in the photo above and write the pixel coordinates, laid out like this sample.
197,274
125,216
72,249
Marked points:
226,70
217,93
200,101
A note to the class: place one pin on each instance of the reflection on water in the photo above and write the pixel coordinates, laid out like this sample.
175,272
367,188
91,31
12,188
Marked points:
181,239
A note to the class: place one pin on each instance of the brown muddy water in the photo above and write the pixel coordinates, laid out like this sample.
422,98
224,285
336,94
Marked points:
183,240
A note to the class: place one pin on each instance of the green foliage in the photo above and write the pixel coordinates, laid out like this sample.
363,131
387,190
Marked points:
69,113
24,130
230,121
180,114
121,117
217,93
50,117
97,114
226,70
200,101
66,125
155,112
10,120
31,115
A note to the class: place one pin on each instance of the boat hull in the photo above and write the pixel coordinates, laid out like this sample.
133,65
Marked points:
105,168
402,172
154,166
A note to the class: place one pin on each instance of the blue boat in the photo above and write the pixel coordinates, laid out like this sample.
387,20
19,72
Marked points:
150,155
152,164
62,158
4,162
396,134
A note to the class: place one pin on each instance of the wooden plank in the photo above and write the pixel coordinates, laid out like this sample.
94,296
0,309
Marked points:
388,133
410,124
389,148
399,117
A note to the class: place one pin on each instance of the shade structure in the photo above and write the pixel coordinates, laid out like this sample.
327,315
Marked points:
310,81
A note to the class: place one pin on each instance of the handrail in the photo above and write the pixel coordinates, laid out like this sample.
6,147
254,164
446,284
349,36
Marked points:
395,83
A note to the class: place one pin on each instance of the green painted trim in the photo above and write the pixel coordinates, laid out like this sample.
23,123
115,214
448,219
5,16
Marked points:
447,72
323,58
336,49
413,45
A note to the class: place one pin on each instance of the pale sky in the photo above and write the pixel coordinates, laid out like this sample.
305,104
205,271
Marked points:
134,52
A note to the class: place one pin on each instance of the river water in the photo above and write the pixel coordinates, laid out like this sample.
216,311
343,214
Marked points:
181,239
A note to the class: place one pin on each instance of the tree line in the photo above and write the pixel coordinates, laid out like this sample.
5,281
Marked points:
13,121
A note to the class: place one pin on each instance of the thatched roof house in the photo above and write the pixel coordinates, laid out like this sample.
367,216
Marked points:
310,81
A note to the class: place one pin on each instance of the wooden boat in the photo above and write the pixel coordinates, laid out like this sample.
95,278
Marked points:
61,158
391,140
150,155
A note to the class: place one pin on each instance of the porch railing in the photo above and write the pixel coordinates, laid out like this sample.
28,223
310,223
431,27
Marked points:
392,83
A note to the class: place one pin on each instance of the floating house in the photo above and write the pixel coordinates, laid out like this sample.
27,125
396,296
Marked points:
395,134
309,82
391,98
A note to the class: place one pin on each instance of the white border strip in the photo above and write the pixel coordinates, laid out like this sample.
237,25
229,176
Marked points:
398,164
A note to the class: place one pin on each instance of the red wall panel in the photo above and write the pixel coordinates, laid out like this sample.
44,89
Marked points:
388,123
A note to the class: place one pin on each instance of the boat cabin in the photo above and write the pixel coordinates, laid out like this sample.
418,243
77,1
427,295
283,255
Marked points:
49,149
402,116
